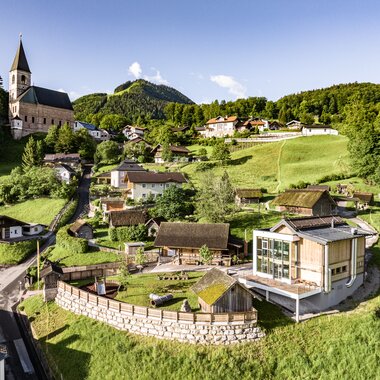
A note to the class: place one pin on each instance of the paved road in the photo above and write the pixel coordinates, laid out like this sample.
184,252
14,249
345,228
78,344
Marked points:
22,362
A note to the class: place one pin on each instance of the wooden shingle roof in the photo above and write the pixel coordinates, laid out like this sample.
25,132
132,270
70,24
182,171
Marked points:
127,218
193,235
249,193
76,226
363,197
305,198
211,287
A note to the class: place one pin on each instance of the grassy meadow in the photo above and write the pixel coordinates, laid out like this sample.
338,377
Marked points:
276,165
41,210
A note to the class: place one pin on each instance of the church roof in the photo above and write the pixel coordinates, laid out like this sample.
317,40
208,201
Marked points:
46,97
20,62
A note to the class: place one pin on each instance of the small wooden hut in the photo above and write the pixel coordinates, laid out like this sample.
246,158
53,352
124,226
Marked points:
82,229
220,293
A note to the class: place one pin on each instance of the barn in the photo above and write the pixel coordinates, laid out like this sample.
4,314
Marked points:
220,293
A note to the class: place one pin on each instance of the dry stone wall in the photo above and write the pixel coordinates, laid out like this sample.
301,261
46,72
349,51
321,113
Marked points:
154,322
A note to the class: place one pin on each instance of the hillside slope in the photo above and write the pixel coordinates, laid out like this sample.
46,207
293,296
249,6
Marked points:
275,166
131,99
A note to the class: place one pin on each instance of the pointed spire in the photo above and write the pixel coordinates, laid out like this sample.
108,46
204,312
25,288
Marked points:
20,62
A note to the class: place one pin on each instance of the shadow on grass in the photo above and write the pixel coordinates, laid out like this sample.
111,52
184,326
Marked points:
270,316
240,161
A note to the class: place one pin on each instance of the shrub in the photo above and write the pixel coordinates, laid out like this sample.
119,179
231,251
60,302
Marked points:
132,233
70,243
68,213
203,166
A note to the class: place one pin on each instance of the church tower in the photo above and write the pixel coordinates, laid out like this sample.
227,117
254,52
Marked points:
20,77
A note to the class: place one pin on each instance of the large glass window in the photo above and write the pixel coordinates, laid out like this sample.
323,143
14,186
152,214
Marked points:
273,257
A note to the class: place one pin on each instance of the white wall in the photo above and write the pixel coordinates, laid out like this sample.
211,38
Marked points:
319,131
139,189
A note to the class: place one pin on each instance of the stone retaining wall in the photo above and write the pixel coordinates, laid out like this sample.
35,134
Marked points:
203,328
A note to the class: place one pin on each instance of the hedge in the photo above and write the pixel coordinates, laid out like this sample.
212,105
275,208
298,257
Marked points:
16,252
70,243
68,213
132,233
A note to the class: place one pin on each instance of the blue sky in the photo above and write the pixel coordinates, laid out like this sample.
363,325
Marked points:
206,49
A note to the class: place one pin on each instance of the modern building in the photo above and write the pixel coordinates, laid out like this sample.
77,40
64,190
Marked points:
12,230
31,108
316,260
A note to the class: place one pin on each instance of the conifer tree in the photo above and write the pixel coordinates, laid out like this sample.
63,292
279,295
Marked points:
29,157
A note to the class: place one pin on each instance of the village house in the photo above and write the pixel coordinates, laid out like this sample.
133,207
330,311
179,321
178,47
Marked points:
179,154
118,175
316,260
363,199
141,184
305,202
31,108
81,229
184,241
318,129
132,132
71,159
220,126
14,230
319,187
153,225
126,218
275,126
294,124
103,178
96,133
109,204
220,293
65,173
247,196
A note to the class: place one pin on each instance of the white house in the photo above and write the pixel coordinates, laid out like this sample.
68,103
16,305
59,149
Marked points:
118,174
11,229
318,129
220,126
65,172
294,124
179,154
141,184
96,133
132,132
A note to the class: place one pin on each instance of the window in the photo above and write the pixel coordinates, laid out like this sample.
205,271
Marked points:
23,79
144,185
144,195
32,119
52,121
153,185
344,269
13,79
44,120
60,123
26,118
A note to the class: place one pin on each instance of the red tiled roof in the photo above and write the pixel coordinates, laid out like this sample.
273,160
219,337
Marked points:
227,119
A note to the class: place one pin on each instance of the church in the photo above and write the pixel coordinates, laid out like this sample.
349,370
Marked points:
31,108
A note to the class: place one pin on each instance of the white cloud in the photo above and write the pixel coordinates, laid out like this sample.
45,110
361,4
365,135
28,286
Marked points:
156,78
234,87
135,70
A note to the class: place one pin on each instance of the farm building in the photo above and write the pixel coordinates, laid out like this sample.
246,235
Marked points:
12,230
319,187
246,196
179,153
184,241
305,202
126,218
153,225
364,199
316,259
80,228
220,293
318,129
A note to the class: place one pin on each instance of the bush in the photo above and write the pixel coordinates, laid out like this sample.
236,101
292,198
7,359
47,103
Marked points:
132,233
203,166
68,213
16,252
70,243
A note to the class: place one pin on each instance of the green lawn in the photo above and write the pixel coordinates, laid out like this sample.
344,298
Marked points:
194,149
140,286
42,210
275,166
68,259
341,346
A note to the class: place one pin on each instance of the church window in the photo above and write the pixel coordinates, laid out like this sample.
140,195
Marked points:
60,123
32,119
23,79
26,118
13,79
52,121
44,120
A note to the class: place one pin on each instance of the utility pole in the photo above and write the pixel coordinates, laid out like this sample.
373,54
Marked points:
38,264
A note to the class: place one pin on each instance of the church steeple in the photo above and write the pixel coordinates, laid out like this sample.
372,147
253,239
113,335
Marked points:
20,62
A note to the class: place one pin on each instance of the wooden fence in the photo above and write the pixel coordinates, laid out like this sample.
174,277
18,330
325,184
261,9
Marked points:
165,315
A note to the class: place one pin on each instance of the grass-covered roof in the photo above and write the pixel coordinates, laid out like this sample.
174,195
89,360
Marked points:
299,198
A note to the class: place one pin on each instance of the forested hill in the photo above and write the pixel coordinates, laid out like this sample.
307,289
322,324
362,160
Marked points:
132,99
3,106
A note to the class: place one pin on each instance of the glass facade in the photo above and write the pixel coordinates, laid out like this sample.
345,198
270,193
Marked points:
273,257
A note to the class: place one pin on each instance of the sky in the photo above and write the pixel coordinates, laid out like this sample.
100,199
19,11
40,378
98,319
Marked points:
207,49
